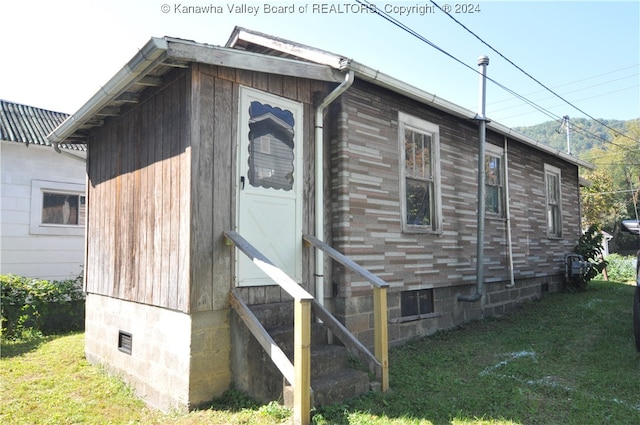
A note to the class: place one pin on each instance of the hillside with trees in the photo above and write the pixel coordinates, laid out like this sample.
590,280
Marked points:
613,192
585,134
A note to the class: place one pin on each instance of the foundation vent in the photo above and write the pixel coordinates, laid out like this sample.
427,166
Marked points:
124,342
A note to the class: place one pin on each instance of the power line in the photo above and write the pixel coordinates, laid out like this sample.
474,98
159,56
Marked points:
526,73
420,37
578,90
580,81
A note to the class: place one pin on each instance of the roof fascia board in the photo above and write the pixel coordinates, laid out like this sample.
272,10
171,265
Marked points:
146,59
288,47
383,80
233,58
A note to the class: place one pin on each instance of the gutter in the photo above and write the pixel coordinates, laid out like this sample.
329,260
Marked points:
56,147
319,177
383,80
146,58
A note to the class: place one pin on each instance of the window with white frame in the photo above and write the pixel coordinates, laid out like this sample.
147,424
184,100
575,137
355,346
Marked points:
57,208
552,178
420,174
494,178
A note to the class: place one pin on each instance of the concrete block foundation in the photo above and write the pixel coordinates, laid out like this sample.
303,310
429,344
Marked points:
177,361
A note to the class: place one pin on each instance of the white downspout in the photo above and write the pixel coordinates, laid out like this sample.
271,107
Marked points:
508,214
319,176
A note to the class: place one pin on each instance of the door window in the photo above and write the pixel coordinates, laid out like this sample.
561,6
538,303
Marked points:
270,147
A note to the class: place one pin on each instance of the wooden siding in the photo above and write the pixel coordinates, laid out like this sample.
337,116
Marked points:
214,157
366,217
137,227
163,188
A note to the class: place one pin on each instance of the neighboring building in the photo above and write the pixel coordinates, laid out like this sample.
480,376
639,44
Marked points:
203,139
43,196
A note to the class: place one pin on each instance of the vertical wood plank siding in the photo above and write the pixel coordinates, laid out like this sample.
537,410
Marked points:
137,228
214,156
162,190
366,216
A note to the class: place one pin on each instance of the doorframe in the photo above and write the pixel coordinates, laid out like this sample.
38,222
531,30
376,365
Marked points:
245,97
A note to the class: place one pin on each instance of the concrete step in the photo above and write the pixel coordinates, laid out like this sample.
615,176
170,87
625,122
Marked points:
273,315
332,380
283,336
333,388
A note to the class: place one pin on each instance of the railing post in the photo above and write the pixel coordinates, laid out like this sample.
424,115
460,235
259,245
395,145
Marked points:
381,337
302,362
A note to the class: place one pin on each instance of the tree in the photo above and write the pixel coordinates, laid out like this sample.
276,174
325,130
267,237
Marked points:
615,191
600,203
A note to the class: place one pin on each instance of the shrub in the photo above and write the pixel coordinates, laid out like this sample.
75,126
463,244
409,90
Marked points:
46,306
620,268
590,248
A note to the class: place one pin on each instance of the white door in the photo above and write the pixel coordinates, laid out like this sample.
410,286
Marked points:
269,184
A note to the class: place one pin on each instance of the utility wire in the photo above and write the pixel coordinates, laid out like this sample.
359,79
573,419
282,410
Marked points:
579,81
527,74
575,91
420,37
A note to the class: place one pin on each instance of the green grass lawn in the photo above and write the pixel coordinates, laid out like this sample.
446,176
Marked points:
566,359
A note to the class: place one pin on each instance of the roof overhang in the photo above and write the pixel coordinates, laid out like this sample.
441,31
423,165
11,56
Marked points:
158,57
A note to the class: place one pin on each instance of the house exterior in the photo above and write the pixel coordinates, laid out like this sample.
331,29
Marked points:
275,140
43,193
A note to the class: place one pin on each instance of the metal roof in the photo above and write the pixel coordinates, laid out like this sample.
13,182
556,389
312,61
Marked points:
30,125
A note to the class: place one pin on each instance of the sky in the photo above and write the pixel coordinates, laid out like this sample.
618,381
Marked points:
57,53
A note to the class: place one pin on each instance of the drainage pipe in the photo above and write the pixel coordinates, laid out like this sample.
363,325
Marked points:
483,61
512,281
319,176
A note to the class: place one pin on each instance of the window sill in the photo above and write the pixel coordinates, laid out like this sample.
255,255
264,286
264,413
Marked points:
414,318
419,231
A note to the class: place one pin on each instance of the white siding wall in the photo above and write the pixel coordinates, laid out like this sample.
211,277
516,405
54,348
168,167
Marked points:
25,251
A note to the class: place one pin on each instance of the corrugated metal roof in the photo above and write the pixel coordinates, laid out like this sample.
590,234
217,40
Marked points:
30,125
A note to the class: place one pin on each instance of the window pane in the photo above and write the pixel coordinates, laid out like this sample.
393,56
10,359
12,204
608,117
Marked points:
493,184
270,147
59,208
409,303
425,299
409,153
418,202
492,171
82,211
552,188
492,200
554,221
418,154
